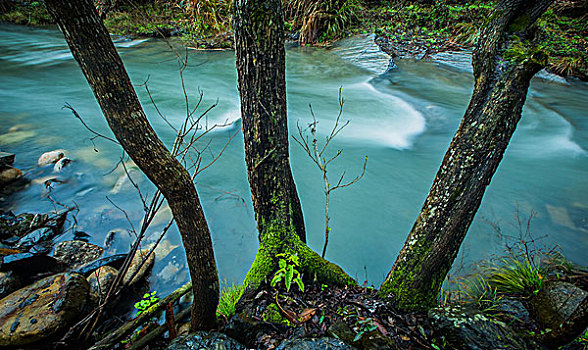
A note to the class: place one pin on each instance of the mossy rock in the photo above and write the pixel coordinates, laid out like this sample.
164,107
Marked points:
555,302
205,340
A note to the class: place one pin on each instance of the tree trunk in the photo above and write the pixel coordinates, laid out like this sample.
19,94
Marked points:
504,61
259,44
92,48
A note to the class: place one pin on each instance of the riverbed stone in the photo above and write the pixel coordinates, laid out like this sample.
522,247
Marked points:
9,175
469,329
205,340
555,302
61,163
50,157
77,253
136,265
42,309
315,344
100,281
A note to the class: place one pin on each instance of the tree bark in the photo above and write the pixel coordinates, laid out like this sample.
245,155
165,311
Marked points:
261,67
259,42
92,48
504,61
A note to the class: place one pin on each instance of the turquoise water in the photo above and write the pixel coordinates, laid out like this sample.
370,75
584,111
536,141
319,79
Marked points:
403,120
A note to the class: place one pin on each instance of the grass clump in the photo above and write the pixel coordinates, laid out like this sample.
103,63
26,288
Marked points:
27,13
512,275
229,296
478,292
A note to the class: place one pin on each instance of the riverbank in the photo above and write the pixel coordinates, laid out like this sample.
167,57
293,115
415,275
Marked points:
417,30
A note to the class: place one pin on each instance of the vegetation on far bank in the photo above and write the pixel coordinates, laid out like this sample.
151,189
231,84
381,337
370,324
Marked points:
415,28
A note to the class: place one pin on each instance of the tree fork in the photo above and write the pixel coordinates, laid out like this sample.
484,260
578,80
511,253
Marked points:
92,48
504,61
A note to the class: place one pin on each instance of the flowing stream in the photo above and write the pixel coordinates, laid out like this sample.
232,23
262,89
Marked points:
403,120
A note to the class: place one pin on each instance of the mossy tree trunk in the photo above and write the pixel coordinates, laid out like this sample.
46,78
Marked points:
259,42
92,48
504,61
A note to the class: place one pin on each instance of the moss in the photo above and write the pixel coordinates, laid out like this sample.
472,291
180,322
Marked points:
272,314
525,52
520,23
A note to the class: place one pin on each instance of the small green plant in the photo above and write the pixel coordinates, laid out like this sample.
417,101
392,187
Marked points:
364,325
287,271
229,297
481,294
149,299
514,275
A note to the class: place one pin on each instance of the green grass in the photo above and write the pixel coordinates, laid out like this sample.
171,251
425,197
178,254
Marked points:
479,293
515,275
229,297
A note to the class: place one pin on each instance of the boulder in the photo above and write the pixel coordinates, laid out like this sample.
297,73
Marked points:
9,175
42,309
77,253
9,282
136,266
50,157
205,340
555,302
100,281
314,344
465,328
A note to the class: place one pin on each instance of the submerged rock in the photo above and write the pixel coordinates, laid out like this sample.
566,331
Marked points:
19,225
9,175
42,309
205,340
100,281
314,344
50,157
61,163
138,258
77,253
555,302
465,328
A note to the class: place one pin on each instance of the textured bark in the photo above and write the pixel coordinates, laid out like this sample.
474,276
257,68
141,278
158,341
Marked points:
259,43
94,51
504,62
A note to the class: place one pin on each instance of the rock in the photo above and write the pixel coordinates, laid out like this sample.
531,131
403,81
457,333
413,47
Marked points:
6,159
35,237
42,309
513,310
29,264
205,340
555,302
9,282
77,253
60,164
115,261
465,328
369,340
19,225
100,281
9,175
314,344
50,157
136,265
246,329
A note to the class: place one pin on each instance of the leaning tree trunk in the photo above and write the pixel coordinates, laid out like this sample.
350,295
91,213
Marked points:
92,48
259,43
504,61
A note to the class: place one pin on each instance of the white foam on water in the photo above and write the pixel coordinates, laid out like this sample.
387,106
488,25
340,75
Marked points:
394,124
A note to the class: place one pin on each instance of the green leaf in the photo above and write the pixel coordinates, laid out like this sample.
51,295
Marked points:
282,264
358,336
300,284
289,277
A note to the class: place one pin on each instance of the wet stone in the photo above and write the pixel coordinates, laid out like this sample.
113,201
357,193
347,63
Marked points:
9,175
205,340
42,309
9,282
100,281
136,266
315,344
555,302
77,253
50,157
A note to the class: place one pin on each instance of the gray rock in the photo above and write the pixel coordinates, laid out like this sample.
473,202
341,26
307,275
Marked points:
42,309
61,163
314,344
9,282
135,265
555,302
77,253
50,157
100,281
9,175
205,340
514,310
465,328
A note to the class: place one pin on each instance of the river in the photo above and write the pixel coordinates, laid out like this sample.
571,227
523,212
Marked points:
403,120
